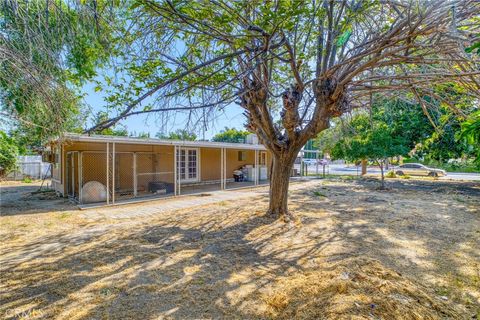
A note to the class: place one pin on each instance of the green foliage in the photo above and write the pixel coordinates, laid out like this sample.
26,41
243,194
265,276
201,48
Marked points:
473,48
470,134
8,154
112,131
391,174
368,140
51,47
408,121
27,180
319,194
179,134
142,135
231,135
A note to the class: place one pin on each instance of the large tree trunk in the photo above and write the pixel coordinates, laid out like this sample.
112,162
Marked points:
279,181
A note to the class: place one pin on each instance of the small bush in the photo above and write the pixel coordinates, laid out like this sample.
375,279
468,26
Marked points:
391,174
318,194
27,180
405,176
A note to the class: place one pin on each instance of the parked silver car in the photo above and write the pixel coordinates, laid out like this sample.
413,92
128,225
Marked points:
418,169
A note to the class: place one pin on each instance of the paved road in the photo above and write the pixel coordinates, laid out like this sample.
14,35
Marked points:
340,169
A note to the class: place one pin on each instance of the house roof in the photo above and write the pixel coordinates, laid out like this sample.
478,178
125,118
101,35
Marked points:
154,141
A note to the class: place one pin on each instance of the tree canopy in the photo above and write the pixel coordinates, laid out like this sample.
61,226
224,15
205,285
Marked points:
47,48
179,134
8,154
231,135
373,140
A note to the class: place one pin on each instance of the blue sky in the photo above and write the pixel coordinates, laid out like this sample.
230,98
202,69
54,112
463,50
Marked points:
232,116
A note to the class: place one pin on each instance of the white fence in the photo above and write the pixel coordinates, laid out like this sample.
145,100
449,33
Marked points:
31,167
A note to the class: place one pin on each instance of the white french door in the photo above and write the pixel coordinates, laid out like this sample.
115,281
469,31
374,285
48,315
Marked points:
188,164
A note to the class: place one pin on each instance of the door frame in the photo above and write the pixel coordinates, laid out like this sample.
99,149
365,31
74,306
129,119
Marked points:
70,174
197,164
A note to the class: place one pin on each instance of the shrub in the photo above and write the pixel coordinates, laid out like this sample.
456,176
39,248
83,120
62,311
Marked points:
27,180
8,154
318,194
391,174
405,176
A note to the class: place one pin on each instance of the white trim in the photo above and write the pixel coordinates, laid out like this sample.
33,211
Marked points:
175,169
108,173
197,164
152,141
80,175
255,179
134,174
113,173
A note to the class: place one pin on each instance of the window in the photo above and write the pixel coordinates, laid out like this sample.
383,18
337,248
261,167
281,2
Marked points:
188,164
242,155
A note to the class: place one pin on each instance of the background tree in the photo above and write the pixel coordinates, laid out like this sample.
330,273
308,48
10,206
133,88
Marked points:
375,141
471,134
117,130
231,135
179,134
47,49
8,154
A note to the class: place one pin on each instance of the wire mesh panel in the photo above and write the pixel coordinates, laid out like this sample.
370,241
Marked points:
154,174
123,176
94,177
199,170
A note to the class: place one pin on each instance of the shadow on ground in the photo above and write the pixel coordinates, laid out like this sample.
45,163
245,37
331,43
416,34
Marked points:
354,251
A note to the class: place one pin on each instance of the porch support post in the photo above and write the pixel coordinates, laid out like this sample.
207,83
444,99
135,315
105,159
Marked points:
113,173
301,163
72,159
256,168
175,178
221,169
135,174
108,173
80,176
180,169
224,168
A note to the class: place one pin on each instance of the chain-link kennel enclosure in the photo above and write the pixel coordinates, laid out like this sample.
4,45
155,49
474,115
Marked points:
95,185
108,172
154,174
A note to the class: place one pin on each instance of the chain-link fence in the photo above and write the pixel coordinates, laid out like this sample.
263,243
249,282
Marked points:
154,174
310,164
115,175
94,178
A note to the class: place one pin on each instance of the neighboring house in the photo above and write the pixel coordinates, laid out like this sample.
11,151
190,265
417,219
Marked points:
110,169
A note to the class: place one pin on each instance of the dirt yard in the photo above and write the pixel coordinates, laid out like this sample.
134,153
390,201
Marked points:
412,252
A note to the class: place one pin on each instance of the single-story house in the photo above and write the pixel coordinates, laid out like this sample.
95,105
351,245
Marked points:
111,169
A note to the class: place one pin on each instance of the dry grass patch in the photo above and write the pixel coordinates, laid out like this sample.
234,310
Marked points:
354,289
352,253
